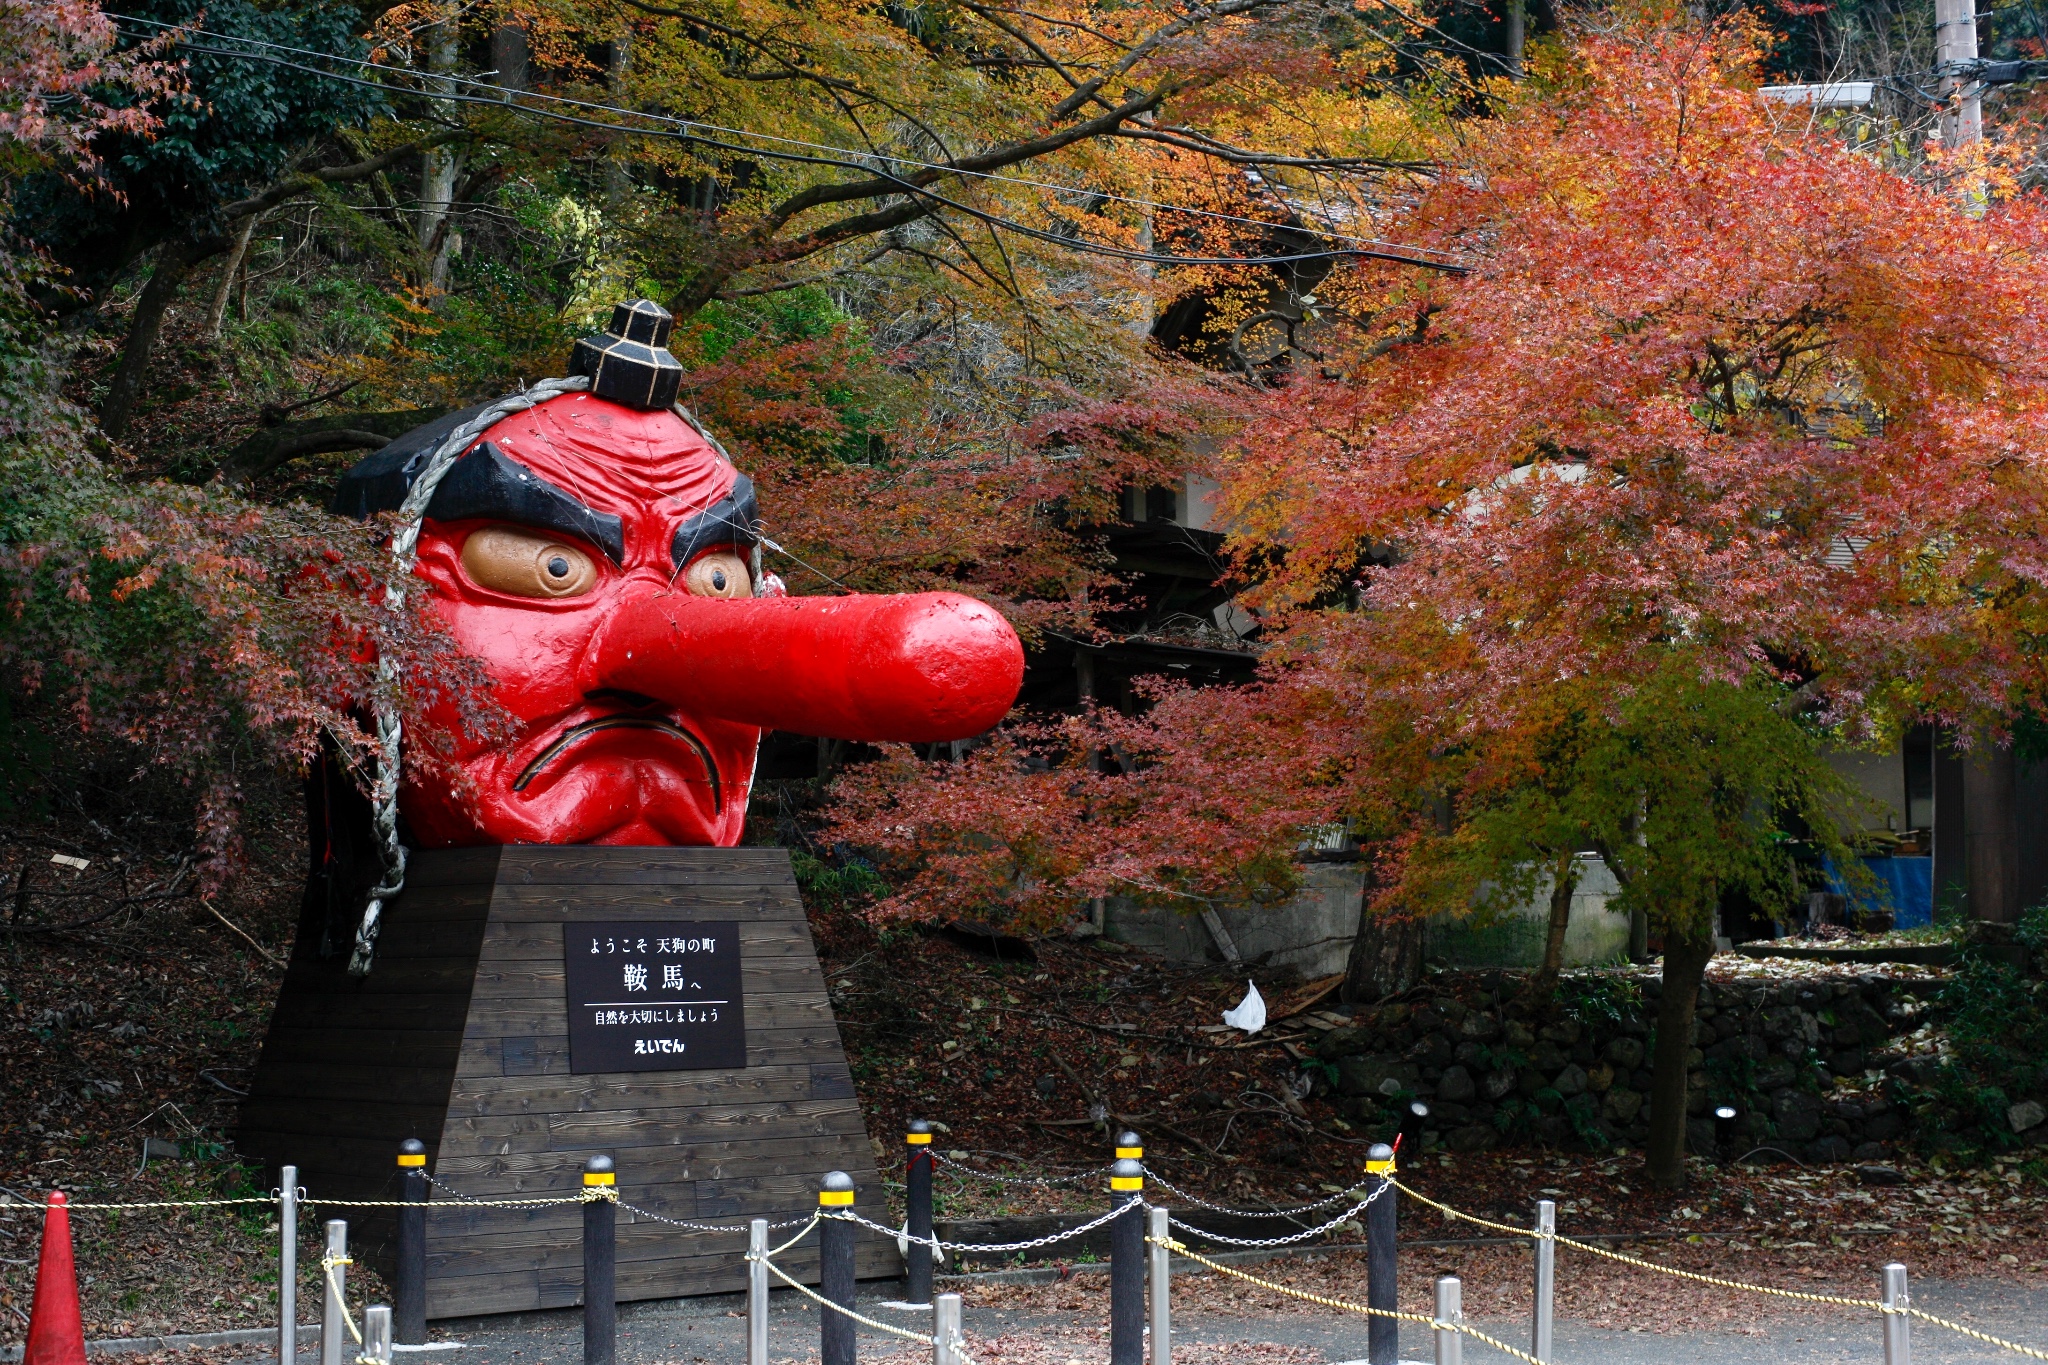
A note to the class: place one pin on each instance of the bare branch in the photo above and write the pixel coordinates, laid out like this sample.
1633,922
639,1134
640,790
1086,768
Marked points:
819,278
307,181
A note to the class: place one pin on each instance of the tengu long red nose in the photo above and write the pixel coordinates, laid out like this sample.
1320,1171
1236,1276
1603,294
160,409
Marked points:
916,668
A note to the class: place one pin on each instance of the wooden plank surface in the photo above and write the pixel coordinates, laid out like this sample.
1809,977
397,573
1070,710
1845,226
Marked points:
459,1037
689,1144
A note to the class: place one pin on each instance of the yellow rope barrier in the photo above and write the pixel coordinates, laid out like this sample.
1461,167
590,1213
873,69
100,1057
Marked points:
591,1195
328,1265
801,1233
1344,1304
1871,1305
816,1297
1973,1332
160,1204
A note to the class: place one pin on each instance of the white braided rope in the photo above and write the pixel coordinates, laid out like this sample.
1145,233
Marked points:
390,729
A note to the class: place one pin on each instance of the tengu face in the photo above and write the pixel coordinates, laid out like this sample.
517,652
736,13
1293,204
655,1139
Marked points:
533,541
595,557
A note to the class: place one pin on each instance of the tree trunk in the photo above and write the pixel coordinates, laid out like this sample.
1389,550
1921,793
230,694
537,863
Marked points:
618,178
1517,36
439,166
1386,956
174,261
510,56
1685,963
1991,835
224,288
273,447
1564,880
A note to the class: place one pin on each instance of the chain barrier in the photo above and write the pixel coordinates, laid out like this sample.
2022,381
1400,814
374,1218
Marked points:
1301,1236
705,1227
1637,1261
1163,1183
809,1223
1346,1305
1047,1180
958,1343
1032,1245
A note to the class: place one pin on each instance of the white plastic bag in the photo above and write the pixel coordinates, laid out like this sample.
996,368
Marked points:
1250,1014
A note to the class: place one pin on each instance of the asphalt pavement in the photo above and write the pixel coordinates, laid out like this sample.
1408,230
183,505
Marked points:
712,1331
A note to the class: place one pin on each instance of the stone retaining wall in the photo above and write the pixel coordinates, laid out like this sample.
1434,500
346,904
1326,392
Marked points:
1818,1068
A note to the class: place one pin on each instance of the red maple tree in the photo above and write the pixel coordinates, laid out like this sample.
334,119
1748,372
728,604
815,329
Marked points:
1721,402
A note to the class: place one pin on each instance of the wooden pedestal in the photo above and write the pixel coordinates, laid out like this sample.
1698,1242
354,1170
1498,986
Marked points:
460,1037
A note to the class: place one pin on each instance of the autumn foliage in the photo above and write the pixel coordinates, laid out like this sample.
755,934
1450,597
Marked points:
1721,403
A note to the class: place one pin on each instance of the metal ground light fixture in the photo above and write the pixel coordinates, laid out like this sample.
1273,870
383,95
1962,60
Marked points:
1724,1129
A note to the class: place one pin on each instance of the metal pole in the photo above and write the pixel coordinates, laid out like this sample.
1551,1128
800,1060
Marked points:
1546,1279
1127,1263
1898,1328
409,1309
288,1267
1161,1287
917,1265
757,1292
946,1330
835,1270
334,1311
377,1334
600,1262
1382,1334
1450,1308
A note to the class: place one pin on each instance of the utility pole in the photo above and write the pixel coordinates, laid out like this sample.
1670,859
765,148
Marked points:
1955,53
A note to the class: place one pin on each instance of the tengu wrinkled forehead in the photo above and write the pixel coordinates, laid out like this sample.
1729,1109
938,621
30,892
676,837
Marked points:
652,470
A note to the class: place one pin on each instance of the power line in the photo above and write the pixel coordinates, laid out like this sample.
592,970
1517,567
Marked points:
841,158
862,159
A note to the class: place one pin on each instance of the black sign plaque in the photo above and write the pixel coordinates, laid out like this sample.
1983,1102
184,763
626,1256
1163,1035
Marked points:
649,996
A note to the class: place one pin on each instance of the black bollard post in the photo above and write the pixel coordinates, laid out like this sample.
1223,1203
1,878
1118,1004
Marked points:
409,1293
917,1178
1382,1335
835,1271
1129,1146
1127,1263
600,1262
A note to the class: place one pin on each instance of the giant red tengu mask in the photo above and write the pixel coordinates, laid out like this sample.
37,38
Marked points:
599,556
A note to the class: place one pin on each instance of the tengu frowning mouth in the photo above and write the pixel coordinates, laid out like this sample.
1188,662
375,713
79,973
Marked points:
655,723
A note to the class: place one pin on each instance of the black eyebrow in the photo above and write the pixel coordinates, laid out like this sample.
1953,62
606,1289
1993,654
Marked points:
732,520
486,483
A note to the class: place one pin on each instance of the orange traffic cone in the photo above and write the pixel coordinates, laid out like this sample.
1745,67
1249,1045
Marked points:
56,1330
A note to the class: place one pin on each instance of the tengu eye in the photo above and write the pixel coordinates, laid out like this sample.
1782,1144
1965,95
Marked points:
721,573
513,560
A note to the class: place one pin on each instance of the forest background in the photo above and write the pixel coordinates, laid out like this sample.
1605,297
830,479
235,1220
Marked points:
1545,368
